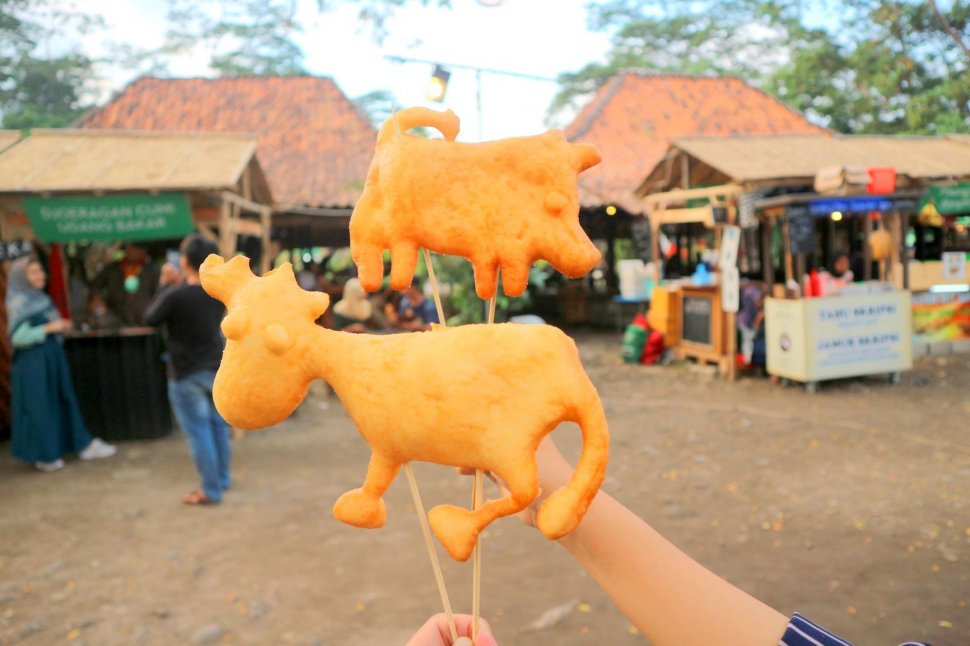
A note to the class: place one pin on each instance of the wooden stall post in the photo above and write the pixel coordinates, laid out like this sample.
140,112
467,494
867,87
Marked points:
866,249
767,262
264,258
225,228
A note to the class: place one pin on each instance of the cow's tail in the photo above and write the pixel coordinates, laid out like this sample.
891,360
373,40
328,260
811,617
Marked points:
400,122
563,510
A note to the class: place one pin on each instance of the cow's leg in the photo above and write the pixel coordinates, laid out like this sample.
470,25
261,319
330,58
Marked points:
364,507
370,265
486,270
458,528
404,260
515,276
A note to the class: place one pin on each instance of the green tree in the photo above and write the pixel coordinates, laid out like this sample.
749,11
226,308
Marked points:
253,37
871,67
37,88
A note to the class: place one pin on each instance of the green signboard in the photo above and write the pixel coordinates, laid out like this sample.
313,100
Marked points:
951,200
114,217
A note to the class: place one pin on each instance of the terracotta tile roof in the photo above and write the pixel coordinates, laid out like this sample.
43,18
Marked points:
635,116
314,144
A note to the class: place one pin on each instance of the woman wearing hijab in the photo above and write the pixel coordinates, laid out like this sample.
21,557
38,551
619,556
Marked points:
353,312
47,422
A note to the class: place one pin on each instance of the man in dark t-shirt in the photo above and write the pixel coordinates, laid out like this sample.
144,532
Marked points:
195,345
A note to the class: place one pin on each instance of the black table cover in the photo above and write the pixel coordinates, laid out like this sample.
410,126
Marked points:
120,381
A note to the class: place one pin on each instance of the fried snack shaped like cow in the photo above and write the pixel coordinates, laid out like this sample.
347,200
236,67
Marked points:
476,396
504,203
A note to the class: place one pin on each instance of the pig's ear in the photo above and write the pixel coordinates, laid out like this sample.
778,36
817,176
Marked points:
586,156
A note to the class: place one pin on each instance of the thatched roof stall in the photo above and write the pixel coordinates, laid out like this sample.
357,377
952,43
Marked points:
315,144
795,160
781,175
8,138
218,173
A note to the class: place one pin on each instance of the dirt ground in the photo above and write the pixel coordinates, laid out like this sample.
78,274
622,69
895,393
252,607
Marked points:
850,506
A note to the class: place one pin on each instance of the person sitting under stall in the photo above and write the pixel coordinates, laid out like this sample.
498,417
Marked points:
837,276
353,312
416,312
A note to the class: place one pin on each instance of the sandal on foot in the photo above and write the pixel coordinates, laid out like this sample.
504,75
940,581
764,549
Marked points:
196,498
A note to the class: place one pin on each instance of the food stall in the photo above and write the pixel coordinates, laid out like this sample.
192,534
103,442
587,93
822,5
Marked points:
693,312
814,190
74,187
938,267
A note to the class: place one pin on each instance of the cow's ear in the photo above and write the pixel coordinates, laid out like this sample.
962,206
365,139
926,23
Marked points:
556,202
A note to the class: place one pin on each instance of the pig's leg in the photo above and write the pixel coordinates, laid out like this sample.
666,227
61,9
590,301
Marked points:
515,276
404,260
457,529
364,507
485,277
370,266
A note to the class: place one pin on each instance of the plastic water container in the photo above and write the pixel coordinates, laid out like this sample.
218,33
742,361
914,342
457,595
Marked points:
634,279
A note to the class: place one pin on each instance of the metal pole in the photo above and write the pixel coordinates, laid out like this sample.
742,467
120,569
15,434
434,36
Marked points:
478,102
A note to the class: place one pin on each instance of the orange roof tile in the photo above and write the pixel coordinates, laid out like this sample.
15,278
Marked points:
314,144
635,116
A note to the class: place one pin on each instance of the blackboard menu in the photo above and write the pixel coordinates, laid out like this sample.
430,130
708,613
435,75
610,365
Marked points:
801,229
641,234
697,319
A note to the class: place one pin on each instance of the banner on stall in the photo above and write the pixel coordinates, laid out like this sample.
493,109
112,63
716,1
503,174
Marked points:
811,339
109,218
941,316
950,200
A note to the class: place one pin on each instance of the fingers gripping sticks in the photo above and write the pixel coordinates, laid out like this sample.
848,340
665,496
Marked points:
523,380
500,204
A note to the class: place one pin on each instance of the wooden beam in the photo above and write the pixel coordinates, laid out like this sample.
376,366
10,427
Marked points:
767,263
702,214
264,257
658,200
225,229
246,204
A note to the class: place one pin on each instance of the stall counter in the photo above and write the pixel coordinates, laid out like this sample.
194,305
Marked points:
814,339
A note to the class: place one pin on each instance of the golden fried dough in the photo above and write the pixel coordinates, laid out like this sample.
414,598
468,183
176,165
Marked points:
501,204
476,396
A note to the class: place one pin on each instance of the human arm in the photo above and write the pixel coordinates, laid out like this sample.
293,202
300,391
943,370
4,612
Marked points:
160,309
435,632
27,335
668,596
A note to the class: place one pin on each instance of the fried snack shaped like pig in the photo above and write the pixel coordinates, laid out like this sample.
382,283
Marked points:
477,396
504,203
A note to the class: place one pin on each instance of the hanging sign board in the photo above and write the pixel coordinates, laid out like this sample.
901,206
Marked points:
951,200
801,229
109,218
730,242
954,266
730,289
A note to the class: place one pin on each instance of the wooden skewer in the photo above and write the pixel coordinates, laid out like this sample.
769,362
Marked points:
435,565
434,287
478,498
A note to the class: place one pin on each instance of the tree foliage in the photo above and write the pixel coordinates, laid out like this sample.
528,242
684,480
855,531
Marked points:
242,38
868,66
37,88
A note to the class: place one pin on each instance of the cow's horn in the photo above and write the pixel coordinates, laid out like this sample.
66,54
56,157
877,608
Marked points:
318,303
222,279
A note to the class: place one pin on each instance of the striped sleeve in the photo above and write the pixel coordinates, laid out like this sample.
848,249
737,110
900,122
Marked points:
802,632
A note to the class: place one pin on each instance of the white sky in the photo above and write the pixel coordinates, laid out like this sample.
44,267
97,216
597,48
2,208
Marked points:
538,37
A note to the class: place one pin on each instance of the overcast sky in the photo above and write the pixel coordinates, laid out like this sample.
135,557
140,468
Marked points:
542,38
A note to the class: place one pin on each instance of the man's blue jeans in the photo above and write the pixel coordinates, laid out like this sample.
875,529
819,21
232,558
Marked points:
206,431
